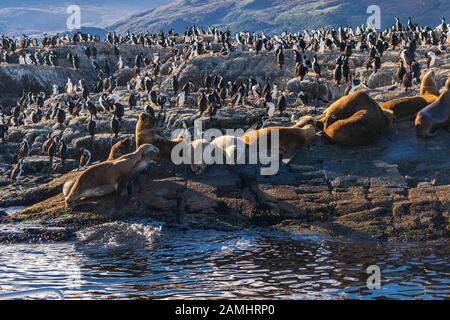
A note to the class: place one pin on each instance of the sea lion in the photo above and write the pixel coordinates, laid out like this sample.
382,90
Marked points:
434,116
355,120
429,85
291,138
123,147
109,177
406,108
147,134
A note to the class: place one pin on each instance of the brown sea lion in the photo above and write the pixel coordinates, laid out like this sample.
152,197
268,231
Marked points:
406,108
147,134
290,138
355,120
434,116
429,85
109,177
123,147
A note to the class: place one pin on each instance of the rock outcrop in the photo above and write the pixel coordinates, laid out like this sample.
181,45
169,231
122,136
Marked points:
396,189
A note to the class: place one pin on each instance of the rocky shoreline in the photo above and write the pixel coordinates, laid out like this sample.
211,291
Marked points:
360,193
397,189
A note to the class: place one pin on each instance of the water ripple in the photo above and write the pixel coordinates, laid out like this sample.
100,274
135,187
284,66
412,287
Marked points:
138,260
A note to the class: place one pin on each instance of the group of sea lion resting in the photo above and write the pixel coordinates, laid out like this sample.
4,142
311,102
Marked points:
436,115
118,172
353,120
431,109
356,119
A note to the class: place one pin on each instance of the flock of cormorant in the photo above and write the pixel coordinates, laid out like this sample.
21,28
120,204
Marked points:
216,91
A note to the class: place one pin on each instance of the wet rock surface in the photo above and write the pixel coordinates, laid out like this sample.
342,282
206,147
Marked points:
24,233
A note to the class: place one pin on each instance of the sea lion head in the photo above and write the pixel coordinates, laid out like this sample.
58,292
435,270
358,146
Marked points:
147,151
424,126
304,121
310,133
121,148
144,155
147,120
429,85
354,86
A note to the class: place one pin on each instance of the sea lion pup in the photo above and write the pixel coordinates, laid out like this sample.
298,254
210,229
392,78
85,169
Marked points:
109,177
355,120
147,134
434,116
123,147
406,108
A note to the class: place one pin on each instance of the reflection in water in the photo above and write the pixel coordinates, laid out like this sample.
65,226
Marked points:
210,264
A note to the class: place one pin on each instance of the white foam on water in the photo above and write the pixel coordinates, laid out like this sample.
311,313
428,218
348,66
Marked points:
118,236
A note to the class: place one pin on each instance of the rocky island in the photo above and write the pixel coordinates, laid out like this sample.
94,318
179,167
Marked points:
396,188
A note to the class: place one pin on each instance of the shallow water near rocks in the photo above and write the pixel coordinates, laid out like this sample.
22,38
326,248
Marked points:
138,260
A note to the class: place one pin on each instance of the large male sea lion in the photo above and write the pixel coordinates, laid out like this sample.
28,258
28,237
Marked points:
354,120
147,134
436,115
109,177
406,108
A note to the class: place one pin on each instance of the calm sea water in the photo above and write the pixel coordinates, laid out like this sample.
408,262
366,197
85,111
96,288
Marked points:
139,260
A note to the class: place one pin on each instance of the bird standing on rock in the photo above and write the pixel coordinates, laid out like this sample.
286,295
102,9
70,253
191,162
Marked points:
76,62
52,150
280,57
181,99
161,101
338,73
119,111
92,127
115,126
202,103
431,59
3,132
85,159
62,151
175,85
415,68
282,104
401,72
133,100
60,115
24,149
106,103
407,80
316,67
17,171
92,109
270,106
